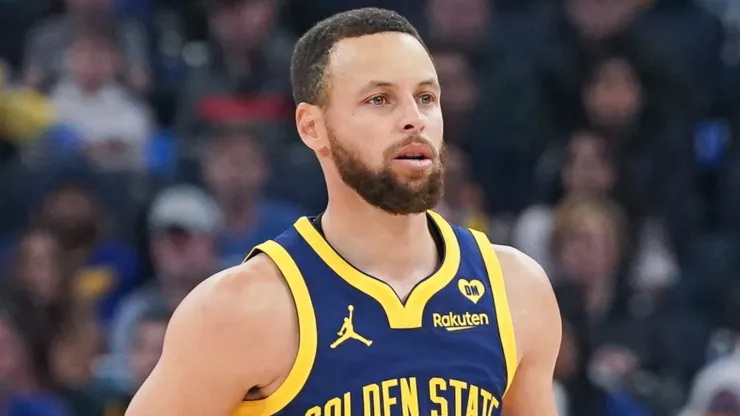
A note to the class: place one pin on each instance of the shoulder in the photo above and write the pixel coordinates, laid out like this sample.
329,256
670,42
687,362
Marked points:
530,296
255,290
520,267
225,314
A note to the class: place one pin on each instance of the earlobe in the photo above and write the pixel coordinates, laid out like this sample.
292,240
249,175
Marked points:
307,121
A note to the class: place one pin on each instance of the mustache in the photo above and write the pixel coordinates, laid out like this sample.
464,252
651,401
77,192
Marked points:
415,139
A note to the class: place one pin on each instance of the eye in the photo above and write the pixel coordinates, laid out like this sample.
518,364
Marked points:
427,99
378,100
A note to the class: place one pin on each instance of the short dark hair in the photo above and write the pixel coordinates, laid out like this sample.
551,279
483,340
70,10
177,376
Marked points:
311,53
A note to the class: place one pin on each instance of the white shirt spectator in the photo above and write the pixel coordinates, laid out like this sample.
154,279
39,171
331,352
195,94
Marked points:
111,115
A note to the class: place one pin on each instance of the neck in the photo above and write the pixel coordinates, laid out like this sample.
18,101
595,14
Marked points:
398,249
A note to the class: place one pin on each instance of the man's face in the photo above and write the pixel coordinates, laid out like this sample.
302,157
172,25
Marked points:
587,172
383,123
591,249
71,213
234,169
456,78
614,98
93,62
182,260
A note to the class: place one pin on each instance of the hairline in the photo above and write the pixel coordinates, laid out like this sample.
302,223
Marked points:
324,89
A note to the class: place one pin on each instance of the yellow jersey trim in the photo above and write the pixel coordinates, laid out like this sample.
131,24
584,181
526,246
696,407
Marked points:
400,315
501,303
307,344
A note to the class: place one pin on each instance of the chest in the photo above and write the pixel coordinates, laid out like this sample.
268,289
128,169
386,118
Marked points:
453,360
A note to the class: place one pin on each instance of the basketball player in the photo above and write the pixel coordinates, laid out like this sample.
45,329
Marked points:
378,306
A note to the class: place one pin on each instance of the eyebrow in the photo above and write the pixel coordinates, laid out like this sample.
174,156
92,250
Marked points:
431,82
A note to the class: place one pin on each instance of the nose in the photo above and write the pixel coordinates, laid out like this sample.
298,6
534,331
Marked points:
413,121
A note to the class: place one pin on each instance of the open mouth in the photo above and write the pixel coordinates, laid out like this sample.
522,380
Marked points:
411,156
416,152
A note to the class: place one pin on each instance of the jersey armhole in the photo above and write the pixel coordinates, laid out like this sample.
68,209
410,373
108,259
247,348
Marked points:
307,332
501,304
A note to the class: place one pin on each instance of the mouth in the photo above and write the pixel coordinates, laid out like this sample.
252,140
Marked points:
415,152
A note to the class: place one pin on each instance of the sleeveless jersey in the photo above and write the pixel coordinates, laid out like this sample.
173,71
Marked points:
447,350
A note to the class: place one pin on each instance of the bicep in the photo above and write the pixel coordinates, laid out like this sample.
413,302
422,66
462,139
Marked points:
531,392
538,330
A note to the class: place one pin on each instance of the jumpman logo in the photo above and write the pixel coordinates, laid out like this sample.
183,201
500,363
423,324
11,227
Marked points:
347,331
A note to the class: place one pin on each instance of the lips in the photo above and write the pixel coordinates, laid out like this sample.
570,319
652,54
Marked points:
416,151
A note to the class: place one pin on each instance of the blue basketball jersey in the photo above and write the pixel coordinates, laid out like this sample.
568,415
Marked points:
448,349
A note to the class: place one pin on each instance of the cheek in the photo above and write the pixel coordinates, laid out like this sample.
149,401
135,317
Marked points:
435,128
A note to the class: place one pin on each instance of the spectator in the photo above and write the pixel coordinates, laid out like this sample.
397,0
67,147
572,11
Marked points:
143,356
105,268
235,171
461,95
246,75
184,224
587,244
112,124
148,343
587,172
25,386
613,96
716,390
74,350
647,134
48,43
39,269
590,171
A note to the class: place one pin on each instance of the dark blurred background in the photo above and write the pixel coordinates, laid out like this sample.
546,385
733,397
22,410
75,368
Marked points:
145,144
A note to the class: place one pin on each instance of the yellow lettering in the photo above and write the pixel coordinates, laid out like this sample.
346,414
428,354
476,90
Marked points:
409,397
472,401
388,399
437,319
436,384
486,398
475,319
371,395
490,397
333,407
459,386
347,404
483,318
314,411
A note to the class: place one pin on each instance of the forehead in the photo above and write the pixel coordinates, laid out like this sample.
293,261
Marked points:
393,58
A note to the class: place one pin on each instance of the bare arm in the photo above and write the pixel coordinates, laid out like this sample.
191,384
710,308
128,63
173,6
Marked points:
537,327
227,337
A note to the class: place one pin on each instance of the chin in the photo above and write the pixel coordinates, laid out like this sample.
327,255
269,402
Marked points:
413,178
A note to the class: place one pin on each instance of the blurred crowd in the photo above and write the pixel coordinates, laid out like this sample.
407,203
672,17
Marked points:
146,144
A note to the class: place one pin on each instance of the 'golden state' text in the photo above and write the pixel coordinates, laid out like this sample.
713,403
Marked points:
410,396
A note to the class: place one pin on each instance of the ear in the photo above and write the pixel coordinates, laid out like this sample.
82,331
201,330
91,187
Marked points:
310,124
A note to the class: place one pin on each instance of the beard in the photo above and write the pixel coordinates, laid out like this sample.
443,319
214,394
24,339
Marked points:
381,188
